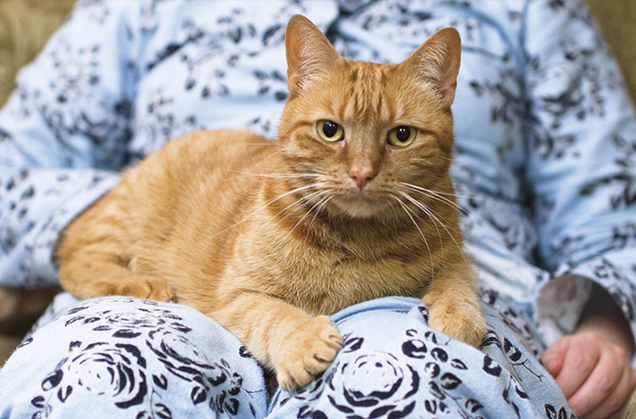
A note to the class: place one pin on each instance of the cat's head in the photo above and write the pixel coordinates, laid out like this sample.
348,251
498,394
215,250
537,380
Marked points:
358,136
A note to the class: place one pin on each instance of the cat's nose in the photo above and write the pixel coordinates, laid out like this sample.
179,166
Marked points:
361,175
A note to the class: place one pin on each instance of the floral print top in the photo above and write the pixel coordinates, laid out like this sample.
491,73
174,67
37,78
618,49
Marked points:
545,158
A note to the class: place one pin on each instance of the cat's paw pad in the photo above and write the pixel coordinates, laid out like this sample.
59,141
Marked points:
309,352
466,324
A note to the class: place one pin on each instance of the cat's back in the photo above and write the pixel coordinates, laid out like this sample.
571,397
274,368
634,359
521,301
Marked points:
206,153
181,198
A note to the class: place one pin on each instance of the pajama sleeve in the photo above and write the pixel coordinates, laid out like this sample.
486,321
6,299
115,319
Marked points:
581,168
63,136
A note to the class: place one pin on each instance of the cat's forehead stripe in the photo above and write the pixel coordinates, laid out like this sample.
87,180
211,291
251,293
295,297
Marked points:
365,97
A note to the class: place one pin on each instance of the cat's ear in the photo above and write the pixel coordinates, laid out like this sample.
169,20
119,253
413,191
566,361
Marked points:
309,53
437,60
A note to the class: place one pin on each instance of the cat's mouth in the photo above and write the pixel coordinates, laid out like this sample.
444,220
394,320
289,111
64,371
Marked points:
361,205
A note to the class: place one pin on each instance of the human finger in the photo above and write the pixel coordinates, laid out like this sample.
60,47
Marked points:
599,385
582,354
617,400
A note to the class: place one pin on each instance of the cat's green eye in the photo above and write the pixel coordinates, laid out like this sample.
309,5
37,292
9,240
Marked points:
330,131
402,136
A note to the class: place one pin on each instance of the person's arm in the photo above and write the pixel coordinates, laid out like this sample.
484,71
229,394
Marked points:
581,168
63,135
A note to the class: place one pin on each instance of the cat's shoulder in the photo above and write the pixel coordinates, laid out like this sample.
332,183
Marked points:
207,136
208,140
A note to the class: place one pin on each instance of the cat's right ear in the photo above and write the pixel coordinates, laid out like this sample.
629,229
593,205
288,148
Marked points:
437,61
309,53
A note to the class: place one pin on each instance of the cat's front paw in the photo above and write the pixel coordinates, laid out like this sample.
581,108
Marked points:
308,352
149,288
459,321
158,290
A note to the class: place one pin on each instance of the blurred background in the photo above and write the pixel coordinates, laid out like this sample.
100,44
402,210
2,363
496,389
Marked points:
25,25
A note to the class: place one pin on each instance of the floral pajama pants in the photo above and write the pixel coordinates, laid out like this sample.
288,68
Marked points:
119,357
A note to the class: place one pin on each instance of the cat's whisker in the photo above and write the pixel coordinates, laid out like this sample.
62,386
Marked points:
321,204
438,199
432,191
248,173
313,195
276,175
393,208
298,223
433,195
268,157
408,211
268,203
432,215
455,194
427,212
425,209
303,198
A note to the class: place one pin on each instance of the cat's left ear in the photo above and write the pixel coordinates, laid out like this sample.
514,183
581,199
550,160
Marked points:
437,60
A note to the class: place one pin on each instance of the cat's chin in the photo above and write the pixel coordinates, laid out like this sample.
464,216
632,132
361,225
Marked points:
360,208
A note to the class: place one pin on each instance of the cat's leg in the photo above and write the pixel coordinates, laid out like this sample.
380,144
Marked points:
453,303
280,336
90,274
94,253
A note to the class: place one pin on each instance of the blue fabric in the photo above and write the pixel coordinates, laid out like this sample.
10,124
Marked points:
123,356
544,153
131,358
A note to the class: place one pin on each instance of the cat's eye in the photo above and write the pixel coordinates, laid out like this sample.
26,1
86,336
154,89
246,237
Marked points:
330,131
402,136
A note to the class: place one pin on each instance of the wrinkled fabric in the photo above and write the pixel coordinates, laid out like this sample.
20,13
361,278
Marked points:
544,149
132,358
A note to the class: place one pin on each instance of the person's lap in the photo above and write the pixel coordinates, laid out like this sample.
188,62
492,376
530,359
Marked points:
124,357
120,357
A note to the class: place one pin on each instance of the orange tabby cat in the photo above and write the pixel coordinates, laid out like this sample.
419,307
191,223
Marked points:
353,202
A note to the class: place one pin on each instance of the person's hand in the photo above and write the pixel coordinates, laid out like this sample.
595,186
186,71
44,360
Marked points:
595,375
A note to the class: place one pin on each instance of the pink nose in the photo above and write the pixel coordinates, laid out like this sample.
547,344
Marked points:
361,175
